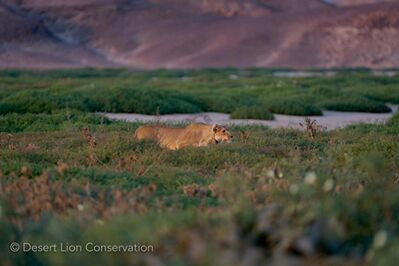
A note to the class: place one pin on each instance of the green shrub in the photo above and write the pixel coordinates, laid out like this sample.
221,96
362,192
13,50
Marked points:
82,73
394,120
386,93
292,106
49,122
255,112
145,101
217,103
119,90
352,103
6,108
38,101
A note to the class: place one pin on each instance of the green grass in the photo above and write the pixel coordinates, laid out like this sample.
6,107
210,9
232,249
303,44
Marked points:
355,103
271,196
293,106
56,121
262,194
192,91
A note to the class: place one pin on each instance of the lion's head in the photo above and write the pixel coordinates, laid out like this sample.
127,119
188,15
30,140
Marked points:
222,134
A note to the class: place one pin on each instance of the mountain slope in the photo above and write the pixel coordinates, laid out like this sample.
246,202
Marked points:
198,33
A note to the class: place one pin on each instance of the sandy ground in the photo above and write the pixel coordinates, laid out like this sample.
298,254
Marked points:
330,119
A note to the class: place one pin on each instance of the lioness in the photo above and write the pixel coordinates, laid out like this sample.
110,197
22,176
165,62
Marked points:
195,135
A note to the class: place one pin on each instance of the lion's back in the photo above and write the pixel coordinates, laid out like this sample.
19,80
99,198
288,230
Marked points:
146,133
164,136
195,134
168,137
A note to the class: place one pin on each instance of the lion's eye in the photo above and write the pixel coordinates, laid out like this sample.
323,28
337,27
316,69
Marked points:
224,131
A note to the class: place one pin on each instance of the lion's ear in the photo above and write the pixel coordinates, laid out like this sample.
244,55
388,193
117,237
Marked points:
215,128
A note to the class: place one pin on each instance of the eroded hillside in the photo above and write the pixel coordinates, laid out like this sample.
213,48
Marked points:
192,34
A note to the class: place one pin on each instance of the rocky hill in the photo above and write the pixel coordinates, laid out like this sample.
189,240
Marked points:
199,33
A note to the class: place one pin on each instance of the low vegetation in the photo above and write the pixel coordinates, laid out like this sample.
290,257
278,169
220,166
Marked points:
356,104
167,92
277,196
271,196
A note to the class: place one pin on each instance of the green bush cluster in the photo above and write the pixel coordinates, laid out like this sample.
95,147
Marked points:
58,120
353,103
127,100
192,91
293,106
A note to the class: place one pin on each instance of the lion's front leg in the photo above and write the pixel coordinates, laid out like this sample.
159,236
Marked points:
204,142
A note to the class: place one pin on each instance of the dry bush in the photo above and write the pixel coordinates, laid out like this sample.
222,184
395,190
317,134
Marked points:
31,147
91,140
91,143
61,167
28,199
6,140
128,163
195,190
311,127
245,135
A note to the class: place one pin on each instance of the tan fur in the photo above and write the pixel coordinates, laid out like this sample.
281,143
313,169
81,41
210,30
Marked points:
195,135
